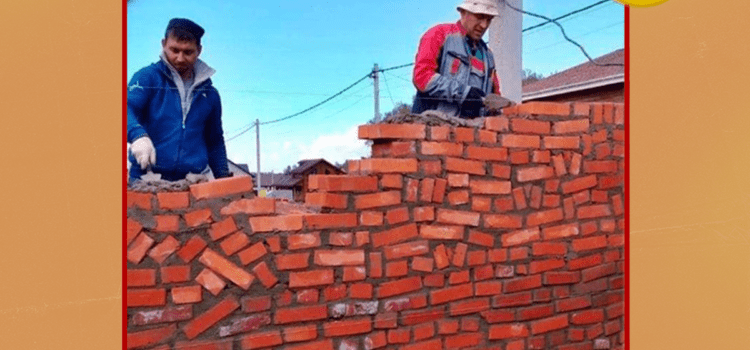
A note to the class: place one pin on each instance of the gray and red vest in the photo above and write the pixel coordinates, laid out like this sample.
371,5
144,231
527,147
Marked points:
448,63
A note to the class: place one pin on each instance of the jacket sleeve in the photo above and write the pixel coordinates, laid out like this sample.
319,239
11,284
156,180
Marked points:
138,96
426,77
214,136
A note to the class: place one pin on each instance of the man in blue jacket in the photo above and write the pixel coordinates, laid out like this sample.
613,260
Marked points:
174,112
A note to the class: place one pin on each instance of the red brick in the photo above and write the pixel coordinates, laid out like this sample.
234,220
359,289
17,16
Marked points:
430,167
571,126
344,183
459,165
397,287
558,249
276,223
520,237
273,243
505,331
339,257
599,166
584,262
361,291
459,255
227,269
264,274
470,306
150,337
534,173
590,243
463,340
390,181
423,331
497,255
449,294
441,232
376,265
216,313
520,141
559,164
164,249
581,109
308,296
133,229
487,153
392,131
167,223
595,286
324,221
538,266
579,184
300,333
222,187
394,235
576,303
515,299
439,191
441,257
496,123
562,142
490,187
186,295
256,304
503,204
519,253
439,133
487,288
481,238
412,186
560,231
225,344
146,297
371,218
526,126
544,217
481,204
475,258
459,277
503,221
141,277
168,314
261,340
408,249
458,180
310,278
300,314
587,317
539,108
522,283
519,157
549,324
538,156
448,326
340,239
535,312
399,215
379,199
347,327
501,171
222,228
234,243
464,134
326,200
173,200
594,211
519,198
175,274
335,292
413,317
253,253
139,200
317,345
575,164
303,241
597,272
386,320
486,136
394,149
388,166
442,149
434,280
375,340
253,206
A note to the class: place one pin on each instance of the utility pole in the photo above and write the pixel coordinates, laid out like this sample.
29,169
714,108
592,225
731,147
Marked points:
376,93
257,148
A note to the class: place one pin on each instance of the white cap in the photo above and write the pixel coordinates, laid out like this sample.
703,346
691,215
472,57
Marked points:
487,7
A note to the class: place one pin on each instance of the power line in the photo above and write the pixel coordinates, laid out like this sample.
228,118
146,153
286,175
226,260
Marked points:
247,128
565,15
564,35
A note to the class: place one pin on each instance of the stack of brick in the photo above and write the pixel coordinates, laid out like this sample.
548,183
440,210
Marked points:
509,236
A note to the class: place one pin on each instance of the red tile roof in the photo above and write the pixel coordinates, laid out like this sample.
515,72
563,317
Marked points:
583,76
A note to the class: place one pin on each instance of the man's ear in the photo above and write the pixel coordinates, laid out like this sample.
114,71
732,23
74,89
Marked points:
163,42
200,47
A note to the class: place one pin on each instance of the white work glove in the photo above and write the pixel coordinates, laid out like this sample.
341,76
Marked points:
143,151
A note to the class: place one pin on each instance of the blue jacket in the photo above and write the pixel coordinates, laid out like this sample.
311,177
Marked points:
445,70
186,138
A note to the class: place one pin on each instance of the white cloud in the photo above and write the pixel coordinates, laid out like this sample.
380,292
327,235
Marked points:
337,147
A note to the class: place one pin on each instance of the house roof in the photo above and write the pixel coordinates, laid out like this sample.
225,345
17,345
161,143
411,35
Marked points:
286,181
306,164
241,166
581,77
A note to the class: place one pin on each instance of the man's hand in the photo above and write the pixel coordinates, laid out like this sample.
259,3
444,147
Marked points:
473,103
143,151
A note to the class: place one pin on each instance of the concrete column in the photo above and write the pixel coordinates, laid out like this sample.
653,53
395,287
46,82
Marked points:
505,43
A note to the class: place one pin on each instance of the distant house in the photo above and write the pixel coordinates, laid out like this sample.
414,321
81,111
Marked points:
585,82
296,181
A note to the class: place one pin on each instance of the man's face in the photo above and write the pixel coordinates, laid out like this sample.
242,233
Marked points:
475,23
180,54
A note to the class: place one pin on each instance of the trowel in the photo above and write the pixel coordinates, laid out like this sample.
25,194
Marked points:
495,102
150,176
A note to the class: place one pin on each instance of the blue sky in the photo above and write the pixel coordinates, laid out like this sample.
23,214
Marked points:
276,58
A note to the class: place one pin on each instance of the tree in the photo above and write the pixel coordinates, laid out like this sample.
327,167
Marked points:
529,76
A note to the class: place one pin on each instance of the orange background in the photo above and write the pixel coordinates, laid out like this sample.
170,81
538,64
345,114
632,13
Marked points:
60,246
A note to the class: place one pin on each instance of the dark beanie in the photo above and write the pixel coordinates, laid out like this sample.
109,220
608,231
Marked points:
186,25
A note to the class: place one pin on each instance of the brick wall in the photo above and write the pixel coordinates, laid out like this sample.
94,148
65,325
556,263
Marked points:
509,236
